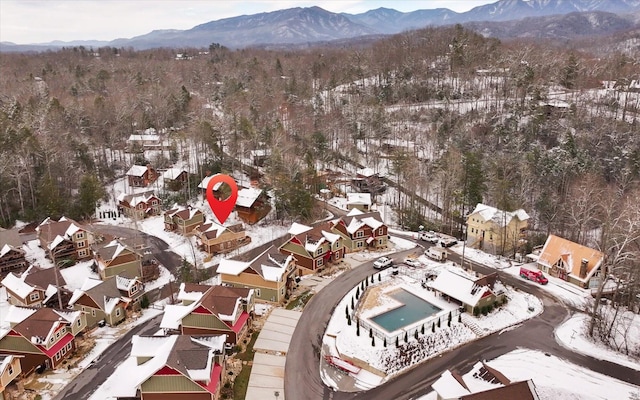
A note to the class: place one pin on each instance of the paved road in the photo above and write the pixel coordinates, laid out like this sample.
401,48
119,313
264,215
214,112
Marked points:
302,376
95,375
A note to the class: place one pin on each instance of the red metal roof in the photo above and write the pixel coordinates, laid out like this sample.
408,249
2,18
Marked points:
214,379
66,339
240,322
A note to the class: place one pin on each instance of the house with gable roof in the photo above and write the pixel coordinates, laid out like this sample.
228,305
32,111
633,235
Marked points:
214,238
182,219
117,258
271,274
12,259
210,310
361,201
36,287
141,175
361,230
175,178
175,367
139,205
496,231
42,336
571,262
65,240
10,369
485,383
313,248
252,205
471,293
107,300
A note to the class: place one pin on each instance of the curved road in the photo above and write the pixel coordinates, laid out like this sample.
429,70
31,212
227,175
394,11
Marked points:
302,375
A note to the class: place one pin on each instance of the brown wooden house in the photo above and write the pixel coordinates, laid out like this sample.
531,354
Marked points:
43,337
361,230
139,205
141,176
65,240
175,178
252,205
10,369
313,248
12,259
216,239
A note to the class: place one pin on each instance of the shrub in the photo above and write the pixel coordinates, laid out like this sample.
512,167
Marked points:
144,302
476,311
438,323
415,335
397,342
379,277
370,332
384,342
406,337
459,318
433,327
373,341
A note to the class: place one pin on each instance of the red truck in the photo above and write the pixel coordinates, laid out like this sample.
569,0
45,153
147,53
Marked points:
533,274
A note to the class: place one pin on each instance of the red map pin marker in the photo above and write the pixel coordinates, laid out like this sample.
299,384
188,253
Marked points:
222,208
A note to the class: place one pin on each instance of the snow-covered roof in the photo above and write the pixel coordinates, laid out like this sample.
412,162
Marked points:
297,228
459,287
16,314
110,304
366,172
17,285
205,182
189,296
354,212
123,283
331,237
499,217
59,239
143,138
136,170
372,223
448,387
5,249
570,255
49,293
231,267
88,284
354,225
136,198
173,173
248,196
173,314
359,198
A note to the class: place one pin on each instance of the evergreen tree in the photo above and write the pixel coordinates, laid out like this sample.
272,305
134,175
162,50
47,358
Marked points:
397,342
373,341
433,327
91,191
357,328
379,277
422,330
406,337
370,332
384,342
438,322
348,320
352,303
415,334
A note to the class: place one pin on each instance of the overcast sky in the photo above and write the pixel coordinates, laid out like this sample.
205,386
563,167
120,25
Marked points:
41,21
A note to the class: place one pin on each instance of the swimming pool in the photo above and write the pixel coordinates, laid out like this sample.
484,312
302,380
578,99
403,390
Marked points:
413,309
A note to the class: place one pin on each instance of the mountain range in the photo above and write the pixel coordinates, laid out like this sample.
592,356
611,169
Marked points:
296,26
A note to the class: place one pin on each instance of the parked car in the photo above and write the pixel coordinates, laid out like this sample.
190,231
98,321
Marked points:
412,262
437,253
429,236
382,263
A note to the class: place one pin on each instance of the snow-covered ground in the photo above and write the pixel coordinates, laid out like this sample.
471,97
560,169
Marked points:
556,379
341,339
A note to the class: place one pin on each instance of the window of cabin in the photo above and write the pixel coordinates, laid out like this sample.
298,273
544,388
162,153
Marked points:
10,369
80,235
118,312
359,234
58,335
79,322
93,313
258,292
381,231
359,244
319,262
34,296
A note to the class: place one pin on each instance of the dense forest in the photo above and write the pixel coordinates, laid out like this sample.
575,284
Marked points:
454,116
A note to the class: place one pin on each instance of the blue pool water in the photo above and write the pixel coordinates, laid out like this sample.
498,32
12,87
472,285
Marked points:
413,309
